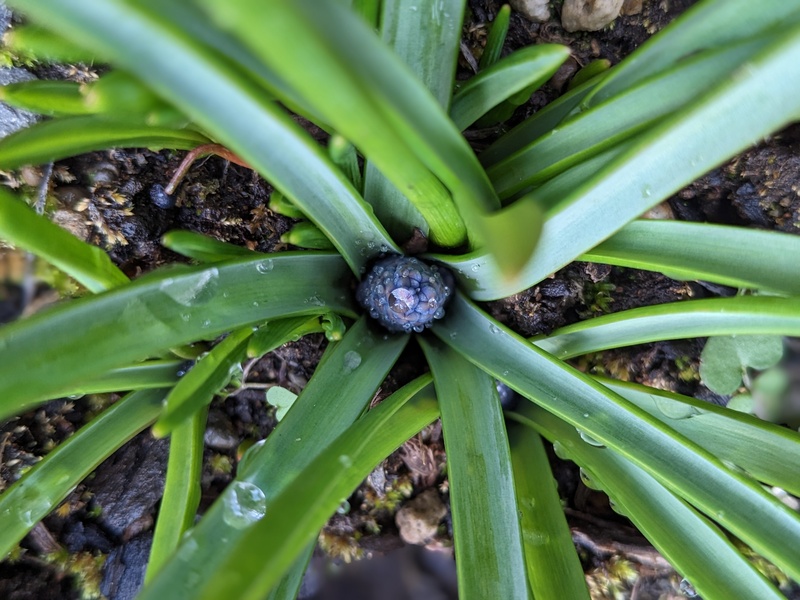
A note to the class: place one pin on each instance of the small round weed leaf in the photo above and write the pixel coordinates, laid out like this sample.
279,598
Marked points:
282,399
742,403
720,367
769,393
759,351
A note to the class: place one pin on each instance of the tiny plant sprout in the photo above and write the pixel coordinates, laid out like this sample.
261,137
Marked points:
404,294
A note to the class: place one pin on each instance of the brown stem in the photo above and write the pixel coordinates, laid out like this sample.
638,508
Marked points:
196,153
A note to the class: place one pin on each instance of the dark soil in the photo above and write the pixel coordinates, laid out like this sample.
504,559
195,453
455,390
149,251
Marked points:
105,198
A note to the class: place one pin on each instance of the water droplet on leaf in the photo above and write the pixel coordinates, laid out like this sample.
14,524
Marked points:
243,504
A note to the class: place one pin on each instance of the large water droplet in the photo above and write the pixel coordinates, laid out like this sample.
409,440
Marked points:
495,329
560,450
590,440
315,300
192,290
352,360
535,538
243,504
265,266
587,480
673,409
346,461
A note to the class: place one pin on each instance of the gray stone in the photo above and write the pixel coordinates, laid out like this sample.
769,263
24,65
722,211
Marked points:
5,17
589,15
537,11
13,119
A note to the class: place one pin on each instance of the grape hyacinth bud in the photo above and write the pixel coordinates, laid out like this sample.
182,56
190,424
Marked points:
405,294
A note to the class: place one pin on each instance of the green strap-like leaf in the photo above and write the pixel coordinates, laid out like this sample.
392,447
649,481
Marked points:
208,376
201,247
294,517
349,89
554,569
486,529
728,434
226,103
684,537
742,315
46,97
684,467
67,136
36,42
759,99
595,130
528,67
428,47
696,30
143,376
331,402
39,491
496,38
87,264
734,256
181,490
276,333
169,308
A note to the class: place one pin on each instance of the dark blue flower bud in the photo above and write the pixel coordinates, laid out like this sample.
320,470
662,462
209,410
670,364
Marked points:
405,294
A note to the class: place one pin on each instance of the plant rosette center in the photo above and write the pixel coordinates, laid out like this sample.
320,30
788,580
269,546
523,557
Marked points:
405,294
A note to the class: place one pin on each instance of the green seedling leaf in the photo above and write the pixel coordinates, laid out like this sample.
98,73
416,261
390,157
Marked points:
525,69
200,79
741,315
307,235
361,89
541,123
725,359
39,491
276,333
590,71
733,256
727,434
118,93
496,38
488,539
203,248
160,311
278,203
87,264
344,156
282,399
206,378
296,514
181,497
304,434
683,466
425,47
657,164
147,375
693,31
67,136
37,43
333,326
682,535
554,569
620,118
52,98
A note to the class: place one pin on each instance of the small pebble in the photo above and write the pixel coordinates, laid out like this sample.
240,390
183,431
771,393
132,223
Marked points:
161,198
